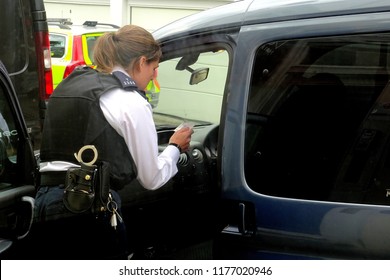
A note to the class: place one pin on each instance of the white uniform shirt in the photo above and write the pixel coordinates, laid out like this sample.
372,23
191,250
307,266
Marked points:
131,116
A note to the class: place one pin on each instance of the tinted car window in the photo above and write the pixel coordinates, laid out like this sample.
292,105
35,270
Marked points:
316,120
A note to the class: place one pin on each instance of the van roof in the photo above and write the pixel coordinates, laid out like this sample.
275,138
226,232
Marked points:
79,29
65,26
246,12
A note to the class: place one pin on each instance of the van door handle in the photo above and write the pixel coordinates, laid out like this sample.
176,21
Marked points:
241,218
246,219
29,217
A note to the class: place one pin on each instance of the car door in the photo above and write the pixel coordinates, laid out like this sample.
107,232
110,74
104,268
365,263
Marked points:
304,166
17,167
178,220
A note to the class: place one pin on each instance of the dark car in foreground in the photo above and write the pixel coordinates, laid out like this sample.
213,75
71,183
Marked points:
25,86
17,169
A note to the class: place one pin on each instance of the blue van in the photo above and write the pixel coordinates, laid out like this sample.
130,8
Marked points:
291,106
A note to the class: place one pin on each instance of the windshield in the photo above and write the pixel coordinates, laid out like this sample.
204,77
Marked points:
191,88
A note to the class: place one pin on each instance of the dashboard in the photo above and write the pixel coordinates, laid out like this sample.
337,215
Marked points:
197,170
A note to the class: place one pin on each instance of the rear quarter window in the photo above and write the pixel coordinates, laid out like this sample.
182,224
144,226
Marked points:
317,119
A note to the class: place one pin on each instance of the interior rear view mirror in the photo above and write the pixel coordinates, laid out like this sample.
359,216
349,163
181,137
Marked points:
199,75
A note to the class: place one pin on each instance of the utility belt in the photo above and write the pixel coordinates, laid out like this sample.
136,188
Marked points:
52,178
86,188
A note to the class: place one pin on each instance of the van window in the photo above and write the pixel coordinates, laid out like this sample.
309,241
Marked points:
57,45
318,119
90,40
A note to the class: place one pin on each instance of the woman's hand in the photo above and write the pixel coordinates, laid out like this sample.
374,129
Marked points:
182,137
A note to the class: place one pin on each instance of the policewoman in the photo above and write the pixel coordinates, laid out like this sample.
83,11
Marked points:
105,109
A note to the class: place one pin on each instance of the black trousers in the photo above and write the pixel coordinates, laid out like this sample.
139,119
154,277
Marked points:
78,239
59,234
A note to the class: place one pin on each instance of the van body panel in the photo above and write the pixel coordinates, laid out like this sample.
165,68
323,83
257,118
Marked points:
22,22
222,17
271,11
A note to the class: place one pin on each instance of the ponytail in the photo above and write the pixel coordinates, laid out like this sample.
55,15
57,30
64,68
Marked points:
124,47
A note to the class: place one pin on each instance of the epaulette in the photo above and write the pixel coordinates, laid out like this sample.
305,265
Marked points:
126,82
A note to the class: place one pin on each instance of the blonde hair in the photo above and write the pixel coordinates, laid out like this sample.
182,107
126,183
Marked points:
125,47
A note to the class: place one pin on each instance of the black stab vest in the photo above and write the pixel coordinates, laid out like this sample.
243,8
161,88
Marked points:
74,119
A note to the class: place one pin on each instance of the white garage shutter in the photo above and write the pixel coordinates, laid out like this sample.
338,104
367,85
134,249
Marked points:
154,18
